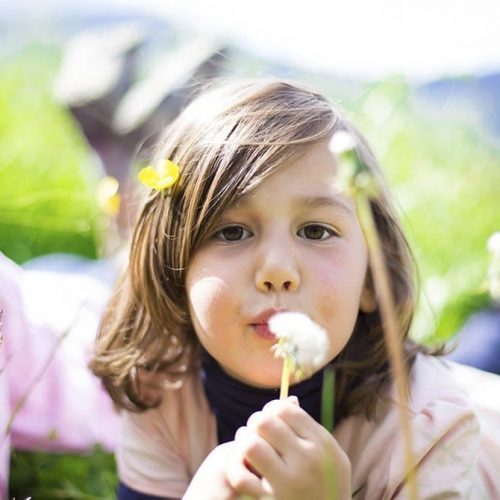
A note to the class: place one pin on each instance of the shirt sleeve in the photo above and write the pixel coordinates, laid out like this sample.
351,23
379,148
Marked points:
148,458
447,466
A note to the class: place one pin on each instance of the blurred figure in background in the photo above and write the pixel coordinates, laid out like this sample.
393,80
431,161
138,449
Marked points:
48,398
119,110
52,305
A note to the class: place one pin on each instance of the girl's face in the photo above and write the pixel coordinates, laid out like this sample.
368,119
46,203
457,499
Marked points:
294,243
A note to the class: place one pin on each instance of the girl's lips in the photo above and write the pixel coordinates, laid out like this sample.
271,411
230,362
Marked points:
260,324
262,330
264,316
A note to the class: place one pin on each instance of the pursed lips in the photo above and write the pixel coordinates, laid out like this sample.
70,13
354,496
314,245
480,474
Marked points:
260,324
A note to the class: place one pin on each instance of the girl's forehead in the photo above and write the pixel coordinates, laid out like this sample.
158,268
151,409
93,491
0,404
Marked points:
311,183
309,175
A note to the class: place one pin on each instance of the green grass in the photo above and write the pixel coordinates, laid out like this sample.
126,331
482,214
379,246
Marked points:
445,175
46,202
44,476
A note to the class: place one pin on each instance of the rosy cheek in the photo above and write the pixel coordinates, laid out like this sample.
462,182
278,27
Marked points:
205,294
326,276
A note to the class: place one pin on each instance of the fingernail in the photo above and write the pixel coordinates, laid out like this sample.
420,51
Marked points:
293,399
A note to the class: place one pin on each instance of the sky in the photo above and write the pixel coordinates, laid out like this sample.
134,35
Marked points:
420,39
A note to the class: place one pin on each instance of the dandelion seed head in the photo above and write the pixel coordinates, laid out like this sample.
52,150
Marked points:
300,339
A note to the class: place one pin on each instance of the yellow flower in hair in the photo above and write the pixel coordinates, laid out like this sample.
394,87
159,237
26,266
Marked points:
108,198
160,178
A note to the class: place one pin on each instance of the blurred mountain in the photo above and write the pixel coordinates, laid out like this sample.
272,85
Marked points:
474,97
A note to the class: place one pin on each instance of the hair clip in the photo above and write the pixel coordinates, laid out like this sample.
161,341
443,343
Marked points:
160,178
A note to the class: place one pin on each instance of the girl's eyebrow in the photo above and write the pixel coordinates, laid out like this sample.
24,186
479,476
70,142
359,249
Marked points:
314,202
306,202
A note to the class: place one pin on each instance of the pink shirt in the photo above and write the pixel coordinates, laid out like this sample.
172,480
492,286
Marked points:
456,434
44,381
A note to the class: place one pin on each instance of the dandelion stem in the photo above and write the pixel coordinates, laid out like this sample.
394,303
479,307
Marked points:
362,185
391,331
285,378
328,398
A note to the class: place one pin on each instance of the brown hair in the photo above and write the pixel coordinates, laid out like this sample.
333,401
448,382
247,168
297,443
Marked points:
227,141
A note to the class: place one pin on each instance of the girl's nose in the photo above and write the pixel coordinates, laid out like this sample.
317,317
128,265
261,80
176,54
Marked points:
277,272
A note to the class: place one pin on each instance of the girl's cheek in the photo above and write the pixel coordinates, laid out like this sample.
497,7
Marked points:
205,294
327,276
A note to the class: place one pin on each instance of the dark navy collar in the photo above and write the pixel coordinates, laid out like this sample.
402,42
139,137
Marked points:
232,401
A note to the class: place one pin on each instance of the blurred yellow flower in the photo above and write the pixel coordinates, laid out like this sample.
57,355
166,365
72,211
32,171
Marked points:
108,198
161,178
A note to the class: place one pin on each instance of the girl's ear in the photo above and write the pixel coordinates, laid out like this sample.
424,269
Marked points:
367,303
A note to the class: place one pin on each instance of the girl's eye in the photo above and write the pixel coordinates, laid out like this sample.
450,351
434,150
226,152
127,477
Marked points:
232,233
316,232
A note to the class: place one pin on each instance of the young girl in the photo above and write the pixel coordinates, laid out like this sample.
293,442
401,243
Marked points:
256,224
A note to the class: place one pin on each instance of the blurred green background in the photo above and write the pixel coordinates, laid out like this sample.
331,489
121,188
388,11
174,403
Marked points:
445,173
46,178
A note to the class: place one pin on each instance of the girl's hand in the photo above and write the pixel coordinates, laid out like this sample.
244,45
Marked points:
210,481
296,457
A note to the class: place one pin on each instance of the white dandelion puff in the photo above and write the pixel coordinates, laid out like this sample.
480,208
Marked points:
302,343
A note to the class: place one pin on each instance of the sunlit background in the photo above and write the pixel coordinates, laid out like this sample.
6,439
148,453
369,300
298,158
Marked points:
85,86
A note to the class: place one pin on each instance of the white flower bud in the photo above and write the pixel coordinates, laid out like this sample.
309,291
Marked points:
494,244
494,268
341,142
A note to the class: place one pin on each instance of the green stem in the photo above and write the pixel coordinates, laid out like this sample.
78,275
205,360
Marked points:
328,398
285,378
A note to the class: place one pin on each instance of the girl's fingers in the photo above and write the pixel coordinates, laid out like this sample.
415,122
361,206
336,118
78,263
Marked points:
274,430
261,456
244,482
299,422
312,439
